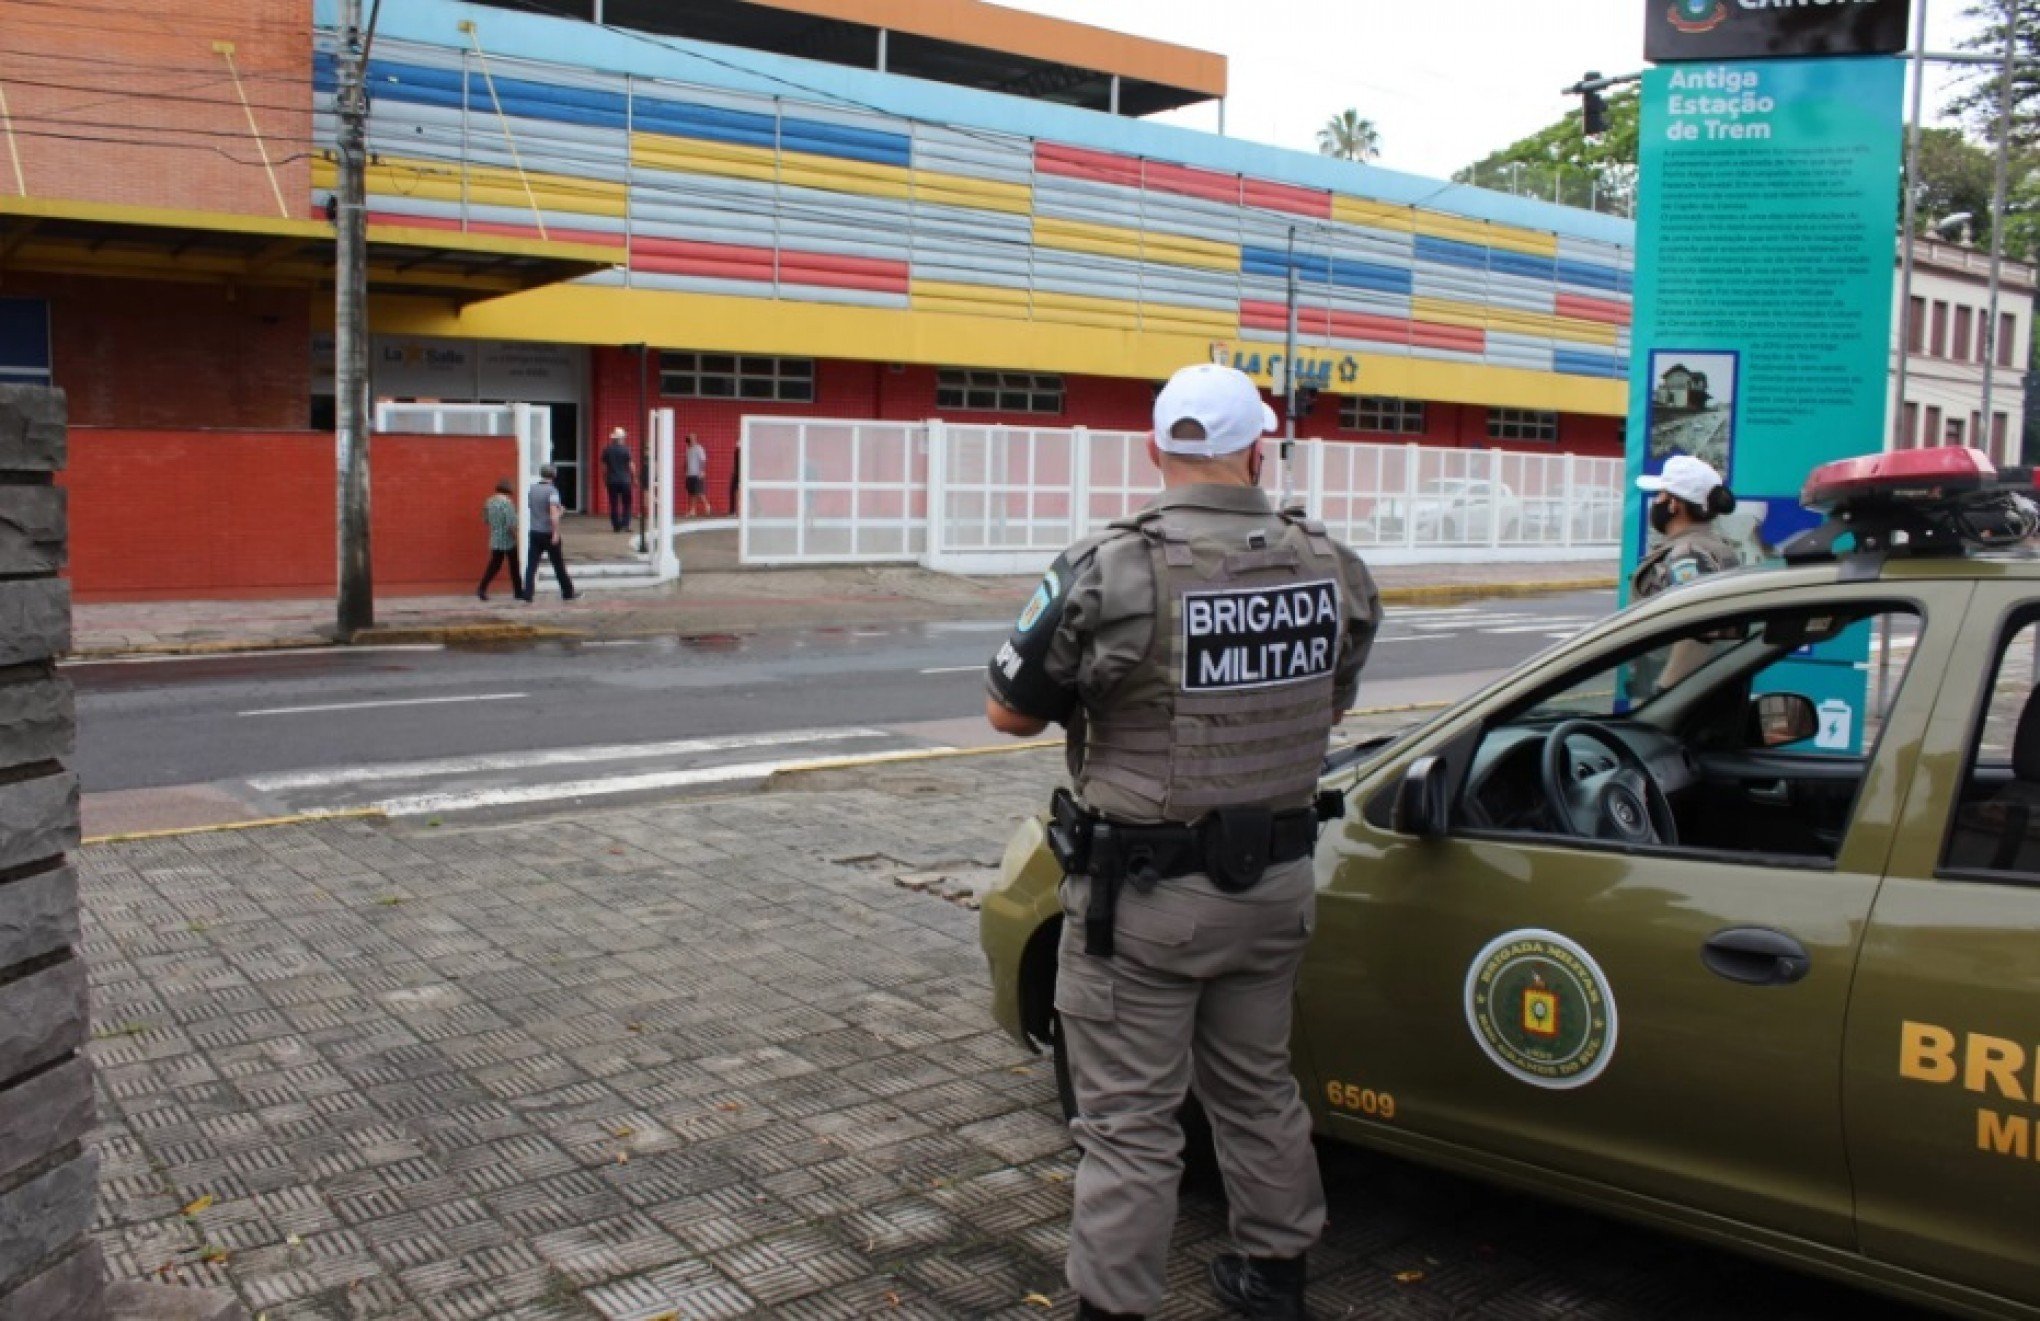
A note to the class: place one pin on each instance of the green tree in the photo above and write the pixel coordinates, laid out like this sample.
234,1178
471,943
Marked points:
1955,176
1977,103
1561,162
1348,137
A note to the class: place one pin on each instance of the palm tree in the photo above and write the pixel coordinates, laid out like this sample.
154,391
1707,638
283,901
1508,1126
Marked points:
1348,137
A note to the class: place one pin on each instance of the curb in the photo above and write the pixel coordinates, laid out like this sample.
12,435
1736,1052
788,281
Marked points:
1430,593
263,823
451,634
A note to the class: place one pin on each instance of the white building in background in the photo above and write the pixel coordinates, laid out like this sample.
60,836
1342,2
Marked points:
1943,338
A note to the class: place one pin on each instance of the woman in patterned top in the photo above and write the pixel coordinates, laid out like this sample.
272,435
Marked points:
500,513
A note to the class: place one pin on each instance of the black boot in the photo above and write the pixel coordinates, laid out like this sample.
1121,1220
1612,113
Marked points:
1262,1288
1087,1312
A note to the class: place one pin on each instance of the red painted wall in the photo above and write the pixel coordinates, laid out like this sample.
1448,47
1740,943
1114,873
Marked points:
184,515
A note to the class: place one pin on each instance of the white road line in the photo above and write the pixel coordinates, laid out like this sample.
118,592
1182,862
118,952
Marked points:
954,669
538,760
368,706
243,655
514,795
1541,627
972,626
1418,637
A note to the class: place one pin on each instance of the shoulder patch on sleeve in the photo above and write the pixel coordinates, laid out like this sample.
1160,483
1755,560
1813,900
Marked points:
1684,571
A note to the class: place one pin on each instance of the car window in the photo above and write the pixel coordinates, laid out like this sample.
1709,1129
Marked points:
1996,831
1755,728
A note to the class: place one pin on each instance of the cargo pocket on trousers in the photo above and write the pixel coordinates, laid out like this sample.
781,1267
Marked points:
1139,920
1079,996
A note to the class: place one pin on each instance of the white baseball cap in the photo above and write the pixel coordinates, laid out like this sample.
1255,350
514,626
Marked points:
1690,479
1223,400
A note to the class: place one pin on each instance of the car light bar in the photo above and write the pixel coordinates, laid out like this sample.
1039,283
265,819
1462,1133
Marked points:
1921,476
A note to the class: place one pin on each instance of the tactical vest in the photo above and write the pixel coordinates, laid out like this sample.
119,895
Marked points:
1232,705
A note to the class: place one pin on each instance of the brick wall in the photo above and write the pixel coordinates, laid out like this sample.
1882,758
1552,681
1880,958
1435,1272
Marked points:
133,353
130,103
167,515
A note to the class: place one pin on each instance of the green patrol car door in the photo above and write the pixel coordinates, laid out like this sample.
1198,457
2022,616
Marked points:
1942,1090
1653,1022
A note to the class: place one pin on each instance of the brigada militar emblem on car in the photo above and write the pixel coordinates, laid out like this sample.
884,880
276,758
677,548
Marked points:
1541,1008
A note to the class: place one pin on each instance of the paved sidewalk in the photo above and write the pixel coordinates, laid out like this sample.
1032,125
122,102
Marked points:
714,596
695,1060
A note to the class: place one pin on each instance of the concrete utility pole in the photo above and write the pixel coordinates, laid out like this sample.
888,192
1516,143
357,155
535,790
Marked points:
1289,378
1997,225
356,605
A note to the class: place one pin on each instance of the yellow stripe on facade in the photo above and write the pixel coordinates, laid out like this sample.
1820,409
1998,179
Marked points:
1134,244
1487,235
802,169
1375,215
482,185
997,299
1512,320
978,194
590,314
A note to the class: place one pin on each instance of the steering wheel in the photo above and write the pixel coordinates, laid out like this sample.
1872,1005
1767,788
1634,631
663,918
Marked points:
1625,804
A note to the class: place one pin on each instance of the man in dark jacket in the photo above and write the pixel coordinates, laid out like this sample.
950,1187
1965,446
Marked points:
617,475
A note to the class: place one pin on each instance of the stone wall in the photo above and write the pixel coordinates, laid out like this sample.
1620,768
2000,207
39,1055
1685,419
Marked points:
49,1269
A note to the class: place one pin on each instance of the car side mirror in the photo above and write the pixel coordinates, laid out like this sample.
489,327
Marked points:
1422,806
1780,718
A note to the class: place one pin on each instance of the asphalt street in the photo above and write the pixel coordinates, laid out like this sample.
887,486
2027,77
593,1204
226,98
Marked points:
423,730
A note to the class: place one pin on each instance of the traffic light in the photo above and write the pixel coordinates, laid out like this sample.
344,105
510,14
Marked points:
1306,399
1593,110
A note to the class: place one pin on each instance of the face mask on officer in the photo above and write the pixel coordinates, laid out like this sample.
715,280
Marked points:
1661,514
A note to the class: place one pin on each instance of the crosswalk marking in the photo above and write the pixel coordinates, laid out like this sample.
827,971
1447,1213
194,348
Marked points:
521,794
542,758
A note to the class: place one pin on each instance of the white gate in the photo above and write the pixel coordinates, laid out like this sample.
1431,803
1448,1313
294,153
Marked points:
996,499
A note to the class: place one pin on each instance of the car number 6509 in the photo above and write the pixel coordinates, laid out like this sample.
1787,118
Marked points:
1367,1101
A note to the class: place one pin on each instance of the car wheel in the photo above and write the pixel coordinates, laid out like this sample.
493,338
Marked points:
1200,1156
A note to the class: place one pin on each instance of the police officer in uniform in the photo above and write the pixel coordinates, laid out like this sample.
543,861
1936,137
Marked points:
1199,654
1686,499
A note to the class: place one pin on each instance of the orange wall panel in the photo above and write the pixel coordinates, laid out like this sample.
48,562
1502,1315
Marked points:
184,515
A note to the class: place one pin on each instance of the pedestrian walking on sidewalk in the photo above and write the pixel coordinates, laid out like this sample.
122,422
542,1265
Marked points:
501,516
618,474
544,502
697,477
1199,653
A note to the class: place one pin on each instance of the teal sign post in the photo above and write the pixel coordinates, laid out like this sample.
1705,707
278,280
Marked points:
1766,244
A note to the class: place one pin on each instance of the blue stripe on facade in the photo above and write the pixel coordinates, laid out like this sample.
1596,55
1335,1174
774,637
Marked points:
1592,276
1336,271
580,105
1572,362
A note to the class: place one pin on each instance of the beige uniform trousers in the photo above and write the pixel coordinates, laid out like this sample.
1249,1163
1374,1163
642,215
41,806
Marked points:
1199,993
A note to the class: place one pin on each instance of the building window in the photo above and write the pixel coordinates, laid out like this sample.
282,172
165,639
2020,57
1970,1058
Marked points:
1916,326
2007,331
1940,348
1962,319
1521,424
1932,435
727,376
1953,434
1999,423
1909,426
968,390
1382,414
24,341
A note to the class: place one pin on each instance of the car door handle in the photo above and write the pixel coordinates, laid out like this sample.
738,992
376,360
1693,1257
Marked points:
1777,793
1756,956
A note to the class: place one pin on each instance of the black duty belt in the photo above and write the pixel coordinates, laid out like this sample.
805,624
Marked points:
1234,846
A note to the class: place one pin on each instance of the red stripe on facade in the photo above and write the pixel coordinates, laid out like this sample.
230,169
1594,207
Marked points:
1080,163
1287,197
1592,309
1256,315
731,261
1207,184
594,236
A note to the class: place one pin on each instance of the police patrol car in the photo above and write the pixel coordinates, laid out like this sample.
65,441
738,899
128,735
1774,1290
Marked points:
1723,916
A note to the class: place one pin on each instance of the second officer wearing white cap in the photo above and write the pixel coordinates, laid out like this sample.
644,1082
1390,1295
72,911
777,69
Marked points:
1199,654
1686,498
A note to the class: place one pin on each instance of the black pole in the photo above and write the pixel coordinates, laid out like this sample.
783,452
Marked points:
644,443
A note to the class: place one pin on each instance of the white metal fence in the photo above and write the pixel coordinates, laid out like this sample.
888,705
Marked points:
995,499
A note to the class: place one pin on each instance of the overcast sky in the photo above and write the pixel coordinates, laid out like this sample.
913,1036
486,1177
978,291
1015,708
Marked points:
1446,81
